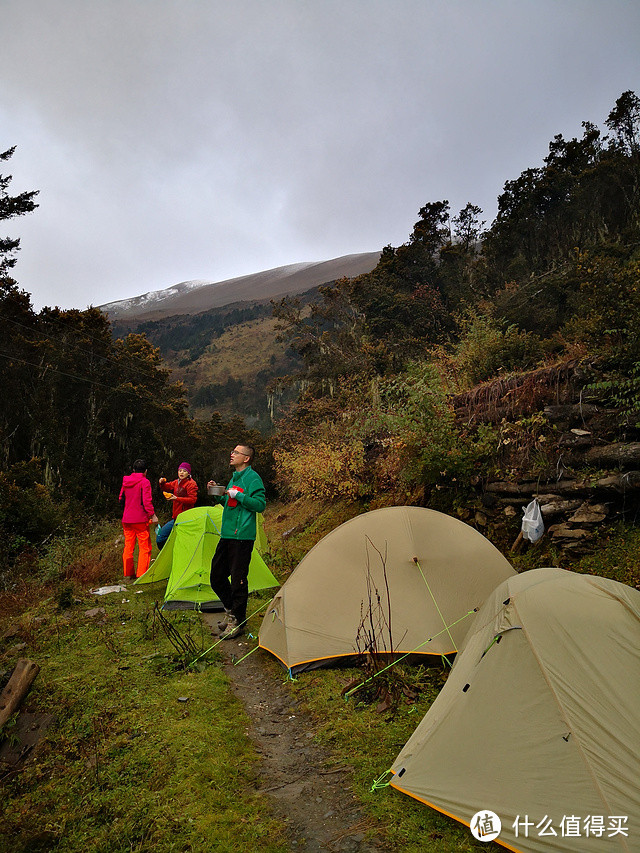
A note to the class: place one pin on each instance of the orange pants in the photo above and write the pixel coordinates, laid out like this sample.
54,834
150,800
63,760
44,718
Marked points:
132,532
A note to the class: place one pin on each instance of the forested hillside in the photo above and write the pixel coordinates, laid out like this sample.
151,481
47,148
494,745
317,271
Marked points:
425,380
225,357
448,366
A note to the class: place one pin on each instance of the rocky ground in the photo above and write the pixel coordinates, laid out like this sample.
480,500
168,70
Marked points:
305,786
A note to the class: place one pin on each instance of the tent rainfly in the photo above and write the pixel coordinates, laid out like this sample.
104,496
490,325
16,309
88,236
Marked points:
394,580
539,720
185,561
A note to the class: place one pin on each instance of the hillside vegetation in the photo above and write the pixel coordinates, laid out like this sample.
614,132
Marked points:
226,358
471,370
397,366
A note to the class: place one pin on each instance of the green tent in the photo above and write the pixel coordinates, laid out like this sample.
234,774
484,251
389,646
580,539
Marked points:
185,561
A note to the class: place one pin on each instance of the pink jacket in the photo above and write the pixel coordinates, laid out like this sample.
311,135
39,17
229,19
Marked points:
137,499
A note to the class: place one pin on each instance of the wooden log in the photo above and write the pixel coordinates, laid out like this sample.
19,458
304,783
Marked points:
500,487
17,688
516,494
559,507
572,414
619,482
618,454
572,440
517,545
610,483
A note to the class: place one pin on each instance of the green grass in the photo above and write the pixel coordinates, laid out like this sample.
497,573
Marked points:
129,767
616,555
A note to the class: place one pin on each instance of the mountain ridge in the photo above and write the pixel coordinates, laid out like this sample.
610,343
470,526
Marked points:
197,295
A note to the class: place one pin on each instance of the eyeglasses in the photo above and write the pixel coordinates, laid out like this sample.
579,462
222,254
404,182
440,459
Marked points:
238,453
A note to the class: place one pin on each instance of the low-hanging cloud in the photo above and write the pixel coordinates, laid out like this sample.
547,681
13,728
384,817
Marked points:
174,139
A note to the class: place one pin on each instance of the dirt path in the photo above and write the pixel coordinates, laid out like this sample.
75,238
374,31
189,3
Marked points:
305,786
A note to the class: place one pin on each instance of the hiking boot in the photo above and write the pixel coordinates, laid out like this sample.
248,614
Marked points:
233,629
222,624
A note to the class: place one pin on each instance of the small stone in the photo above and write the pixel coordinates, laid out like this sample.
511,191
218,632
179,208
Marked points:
95,612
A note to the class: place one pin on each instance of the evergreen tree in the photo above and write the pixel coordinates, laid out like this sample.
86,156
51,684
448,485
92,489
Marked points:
10,207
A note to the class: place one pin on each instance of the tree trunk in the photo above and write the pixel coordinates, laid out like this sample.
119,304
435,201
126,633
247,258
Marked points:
17,688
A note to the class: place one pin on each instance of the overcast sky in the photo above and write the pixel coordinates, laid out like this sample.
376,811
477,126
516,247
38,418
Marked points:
207,139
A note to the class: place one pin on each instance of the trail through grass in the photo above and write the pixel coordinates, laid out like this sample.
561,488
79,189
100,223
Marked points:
145,755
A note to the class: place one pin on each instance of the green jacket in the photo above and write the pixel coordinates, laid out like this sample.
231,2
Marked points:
239,522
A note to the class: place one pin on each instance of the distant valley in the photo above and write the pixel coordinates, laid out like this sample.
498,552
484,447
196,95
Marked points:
220,338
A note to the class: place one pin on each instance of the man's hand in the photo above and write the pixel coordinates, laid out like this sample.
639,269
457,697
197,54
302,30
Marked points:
162,481
232,492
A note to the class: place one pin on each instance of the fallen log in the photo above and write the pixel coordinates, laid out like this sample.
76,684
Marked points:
558,507
619,482
571,414
513,493
618,454
17,688
500,487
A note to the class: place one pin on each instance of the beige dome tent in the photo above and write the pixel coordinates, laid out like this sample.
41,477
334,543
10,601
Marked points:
539,720
400,579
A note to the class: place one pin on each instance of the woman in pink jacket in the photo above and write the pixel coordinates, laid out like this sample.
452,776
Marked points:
138,514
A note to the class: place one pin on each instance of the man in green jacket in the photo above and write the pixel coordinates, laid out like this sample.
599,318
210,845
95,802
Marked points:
243,498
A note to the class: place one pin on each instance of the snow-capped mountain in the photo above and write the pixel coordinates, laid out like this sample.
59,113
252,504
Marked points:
191,297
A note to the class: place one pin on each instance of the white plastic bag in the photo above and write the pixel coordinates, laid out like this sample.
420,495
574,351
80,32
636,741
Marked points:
106,590
532,523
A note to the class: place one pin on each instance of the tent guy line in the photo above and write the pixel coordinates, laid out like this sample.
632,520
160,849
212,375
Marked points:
407,654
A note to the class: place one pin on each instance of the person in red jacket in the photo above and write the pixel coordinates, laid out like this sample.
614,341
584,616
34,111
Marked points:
183,493
138,513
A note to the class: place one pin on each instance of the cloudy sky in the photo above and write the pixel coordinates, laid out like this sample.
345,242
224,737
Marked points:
207,139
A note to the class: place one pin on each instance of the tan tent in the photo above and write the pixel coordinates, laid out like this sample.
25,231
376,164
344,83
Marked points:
539,720
410,576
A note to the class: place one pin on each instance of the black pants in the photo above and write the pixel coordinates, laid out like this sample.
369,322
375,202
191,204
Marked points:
229,572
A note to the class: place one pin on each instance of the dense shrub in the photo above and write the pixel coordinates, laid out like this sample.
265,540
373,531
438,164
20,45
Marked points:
394,435
609,319
29,512
487,347
322,470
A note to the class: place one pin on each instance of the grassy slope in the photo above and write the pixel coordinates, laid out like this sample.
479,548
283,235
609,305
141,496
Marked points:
128,767
241,352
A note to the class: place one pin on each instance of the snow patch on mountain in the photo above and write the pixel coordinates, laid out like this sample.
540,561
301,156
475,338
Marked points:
157,297
200,294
